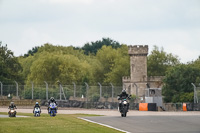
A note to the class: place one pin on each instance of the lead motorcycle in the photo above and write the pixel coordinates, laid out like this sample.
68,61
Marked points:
52,109
124,107
12,112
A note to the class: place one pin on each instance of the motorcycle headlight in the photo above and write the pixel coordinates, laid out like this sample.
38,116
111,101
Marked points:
12,111
125,102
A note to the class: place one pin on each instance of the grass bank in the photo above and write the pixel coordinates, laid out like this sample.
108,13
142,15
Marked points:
62,123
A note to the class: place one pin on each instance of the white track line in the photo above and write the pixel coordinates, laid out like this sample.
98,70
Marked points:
104,125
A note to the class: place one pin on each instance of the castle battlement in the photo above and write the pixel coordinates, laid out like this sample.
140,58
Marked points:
136,50
126,79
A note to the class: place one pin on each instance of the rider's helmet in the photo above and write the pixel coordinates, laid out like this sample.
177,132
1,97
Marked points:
52,99
11,103
36,103
123,91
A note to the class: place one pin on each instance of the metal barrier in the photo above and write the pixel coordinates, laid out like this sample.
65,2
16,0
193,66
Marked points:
60,92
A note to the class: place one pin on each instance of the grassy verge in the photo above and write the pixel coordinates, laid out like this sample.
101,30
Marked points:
62,123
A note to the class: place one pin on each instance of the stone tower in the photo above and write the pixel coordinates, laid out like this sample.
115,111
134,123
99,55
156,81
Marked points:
138,62
137,82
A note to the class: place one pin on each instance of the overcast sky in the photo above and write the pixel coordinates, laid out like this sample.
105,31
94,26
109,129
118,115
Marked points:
171,24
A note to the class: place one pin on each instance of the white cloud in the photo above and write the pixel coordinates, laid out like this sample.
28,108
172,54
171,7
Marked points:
185,44
28,39
184,52
171,24
70,1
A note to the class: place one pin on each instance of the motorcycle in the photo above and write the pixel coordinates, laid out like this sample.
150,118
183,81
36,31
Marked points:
12,112
124,107
37,111
52,109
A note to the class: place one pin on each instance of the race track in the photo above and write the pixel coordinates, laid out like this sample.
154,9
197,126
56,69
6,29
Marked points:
152,124
136,121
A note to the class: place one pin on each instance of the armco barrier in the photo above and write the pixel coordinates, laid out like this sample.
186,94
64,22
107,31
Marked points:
143,107
190,107
147,107
152,107
184,107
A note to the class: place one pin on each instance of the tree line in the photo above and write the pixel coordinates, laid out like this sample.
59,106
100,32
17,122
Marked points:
105,61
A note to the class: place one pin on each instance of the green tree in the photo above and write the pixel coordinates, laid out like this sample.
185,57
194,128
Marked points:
115,64
53,63
31,52
26,64
120,68
93,47
96,70
44,68
9,66
177,83
106,56
74,70
195,63
158,62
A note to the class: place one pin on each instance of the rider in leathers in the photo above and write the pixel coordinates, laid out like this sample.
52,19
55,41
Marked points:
37,106
52,100
12,105
123,95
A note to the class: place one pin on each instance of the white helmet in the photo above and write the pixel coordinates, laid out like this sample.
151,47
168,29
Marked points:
124,91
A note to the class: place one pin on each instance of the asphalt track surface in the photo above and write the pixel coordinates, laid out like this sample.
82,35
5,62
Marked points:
151,124
136,121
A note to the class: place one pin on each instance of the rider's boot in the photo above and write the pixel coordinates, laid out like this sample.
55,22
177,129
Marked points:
120,107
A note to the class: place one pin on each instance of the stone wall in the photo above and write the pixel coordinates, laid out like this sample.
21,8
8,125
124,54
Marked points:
19,102
155,81
110,99
83,104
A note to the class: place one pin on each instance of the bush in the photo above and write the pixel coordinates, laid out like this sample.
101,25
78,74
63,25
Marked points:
95,97
133,98
187,97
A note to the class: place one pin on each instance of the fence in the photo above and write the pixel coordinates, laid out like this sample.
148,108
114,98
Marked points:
196,93
82,96
60,92
173,106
